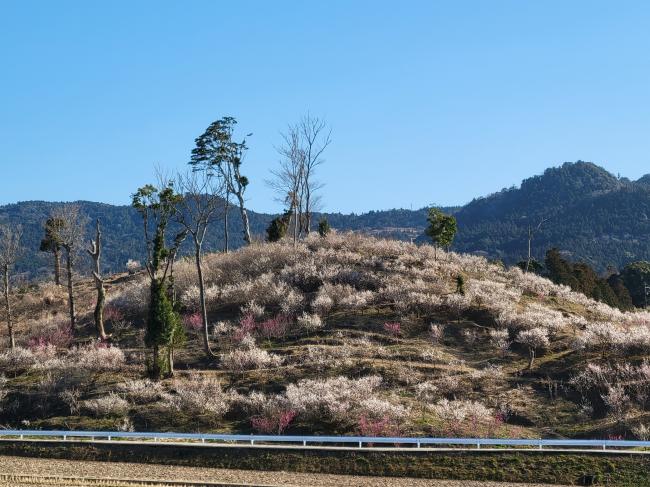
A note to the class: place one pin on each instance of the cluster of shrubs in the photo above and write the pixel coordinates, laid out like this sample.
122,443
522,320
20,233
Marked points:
96,357
282,292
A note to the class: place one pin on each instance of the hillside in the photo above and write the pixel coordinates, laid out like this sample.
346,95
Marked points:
592,215
122,230
347,334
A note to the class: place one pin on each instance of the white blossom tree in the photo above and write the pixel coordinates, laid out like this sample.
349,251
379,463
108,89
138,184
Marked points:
535,339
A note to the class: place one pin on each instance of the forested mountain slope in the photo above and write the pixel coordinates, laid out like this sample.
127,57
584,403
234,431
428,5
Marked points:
590,214
122,230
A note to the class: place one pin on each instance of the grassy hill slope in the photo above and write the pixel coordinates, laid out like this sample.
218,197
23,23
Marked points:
342,335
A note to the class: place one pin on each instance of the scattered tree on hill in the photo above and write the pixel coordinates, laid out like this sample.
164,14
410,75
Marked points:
636,277
196,211
315,136
531,233
301,153
460,284
217,153
164,328
622,293
288,179
50,244
10,250
69,233
95,252
324,227
535,339
441,229
277,229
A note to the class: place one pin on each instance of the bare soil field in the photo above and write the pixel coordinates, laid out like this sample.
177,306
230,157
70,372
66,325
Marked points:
89,473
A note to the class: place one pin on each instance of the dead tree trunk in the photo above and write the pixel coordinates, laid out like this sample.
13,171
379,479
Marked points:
204,309
71,303
244,219
57,265
531,355
10,326
95,252
226,204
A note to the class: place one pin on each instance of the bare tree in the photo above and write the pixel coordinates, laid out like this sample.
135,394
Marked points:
95,253
201,200
70,235
288,180
295,183
531,233
315,137
10,250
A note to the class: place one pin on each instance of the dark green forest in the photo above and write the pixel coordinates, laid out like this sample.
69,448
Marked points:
589,214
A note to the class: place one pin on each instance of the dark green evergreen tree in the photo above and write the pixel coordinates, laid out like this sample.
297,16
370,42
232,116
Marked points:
50,243
277,229
442,228
324,227
636,277
219,154
164,328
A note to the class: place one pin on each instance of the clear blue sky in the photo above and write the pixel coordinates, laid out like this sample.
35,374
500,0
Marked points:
430,102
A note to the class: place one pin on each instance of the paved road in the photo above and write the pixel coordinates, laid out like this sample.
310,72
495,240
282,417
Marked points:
158,474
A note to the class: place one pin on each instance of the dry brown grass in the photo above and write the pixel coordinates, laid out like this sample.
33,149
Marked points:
369,282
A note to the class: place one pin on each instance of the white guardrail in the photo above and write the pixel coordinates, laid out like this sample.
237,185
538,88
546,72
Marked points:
332,441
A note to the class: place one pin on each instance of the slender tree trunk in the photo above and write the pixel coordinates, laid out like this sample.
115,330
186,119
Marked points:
10,326
244,219
531,351
57,265
96,253
530,239
155,366
204,309
171,288
170,360
73,314
99,310
295,225
307,211
225,222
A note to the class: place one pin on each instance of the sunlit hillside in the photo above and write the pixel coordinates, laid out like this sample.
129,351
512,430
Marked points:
343,334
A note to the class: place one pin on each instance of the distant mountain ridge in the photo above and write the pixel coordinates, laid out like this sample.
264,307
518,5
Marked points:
591,215
122,230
